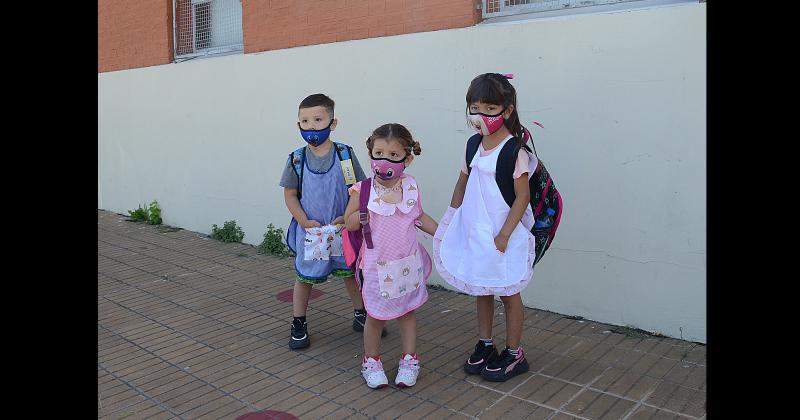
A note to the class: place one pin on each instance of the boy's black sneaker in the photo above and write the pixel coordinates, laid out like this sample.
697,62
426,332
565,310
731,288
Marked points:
360,320
299,336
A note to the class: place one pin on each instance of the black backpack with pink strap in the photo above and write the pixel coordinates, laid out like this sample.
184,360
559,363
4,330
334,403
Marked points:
544,194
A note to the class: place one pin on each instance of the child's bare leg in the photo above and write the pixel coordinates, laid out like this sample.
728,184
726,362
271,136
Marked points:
408,332
352,290
514,317
512,360
372,337
300,298
408,369
485,316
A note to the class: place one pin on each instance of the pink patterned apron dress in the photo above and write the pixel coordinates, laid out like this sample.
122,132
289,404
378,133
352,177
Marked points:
395,271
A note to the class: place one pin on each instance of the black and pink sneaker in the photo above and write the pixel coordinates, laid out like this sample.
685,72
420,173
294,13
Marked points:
505,366
480,357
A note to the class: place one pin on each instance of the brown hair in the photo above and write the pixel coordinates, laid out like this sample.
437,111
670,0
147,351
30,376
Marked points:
494,88
394,131
318,99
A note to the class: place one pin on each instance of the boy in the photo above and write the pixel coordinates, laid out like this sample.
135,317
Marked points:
315,181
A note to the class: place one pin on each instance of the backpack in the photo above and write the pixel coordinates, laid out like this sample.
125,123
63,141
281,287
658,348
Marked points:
352,240
544,194
298,159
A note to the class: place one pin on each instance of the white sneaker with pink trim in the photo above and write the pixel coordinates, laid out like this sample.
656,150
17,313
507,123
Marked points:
372,371
407,372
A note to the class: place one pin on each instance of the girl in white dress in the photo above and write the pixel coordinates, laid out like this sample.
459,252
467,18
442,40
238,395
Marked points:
483,247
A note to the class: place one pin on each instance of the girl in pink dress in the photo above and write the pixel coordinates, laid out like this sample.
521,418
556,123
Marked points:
394,269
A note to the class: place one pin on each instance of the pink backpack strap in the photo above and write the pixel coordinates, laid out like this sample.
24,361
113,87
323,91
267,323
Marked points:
363,216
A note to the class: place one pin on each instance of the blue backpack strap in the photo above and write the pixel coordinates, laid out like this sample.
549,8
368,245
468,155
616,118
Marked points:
298,159
344,152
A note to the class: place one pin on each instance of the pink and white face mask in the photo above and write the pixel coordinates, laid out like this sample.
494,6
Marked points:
486,124
386,169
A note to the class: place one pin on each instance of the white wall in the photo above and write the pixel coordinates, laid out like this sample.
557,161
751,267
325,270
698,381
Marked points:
622,97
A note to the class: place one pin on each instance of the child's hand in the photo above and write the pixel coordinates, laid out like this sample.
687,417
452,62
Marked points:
501,242
338,221
311,224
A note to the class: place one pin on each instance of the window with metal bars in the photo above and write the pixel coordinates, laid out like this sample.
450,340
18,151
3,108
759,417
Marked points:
206,27
494,8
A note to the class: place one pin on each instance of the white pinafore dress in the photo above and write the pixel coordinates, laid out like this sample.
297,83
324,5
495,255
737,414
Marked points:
463,246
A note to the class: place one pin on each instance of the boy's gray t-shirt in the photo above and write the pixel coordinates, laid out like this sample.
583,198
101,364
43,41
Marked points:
317,164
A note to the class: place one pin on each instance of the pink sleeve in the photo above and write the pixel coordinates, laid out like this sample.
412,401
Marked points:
355,188
464,161
525,161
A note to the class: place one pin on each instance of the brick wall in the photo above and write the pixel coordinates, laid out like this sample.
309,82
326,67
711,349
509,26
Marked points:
133,34
275,24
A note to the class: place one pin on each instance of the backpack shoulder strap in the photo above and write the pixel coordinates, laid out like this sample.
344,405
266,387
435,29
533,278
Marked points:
504,174
344,152
472,148
363,200
298,159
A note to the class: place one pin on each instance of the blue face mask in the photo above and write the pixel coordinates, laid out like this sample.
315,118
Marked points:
316,137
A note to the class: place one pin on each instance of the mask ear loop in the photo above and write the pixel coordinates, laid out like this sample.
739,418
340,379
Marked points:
329,126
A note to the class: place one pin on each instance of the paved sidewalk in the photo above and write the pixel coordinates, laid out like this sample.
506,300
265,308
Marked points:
192,328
